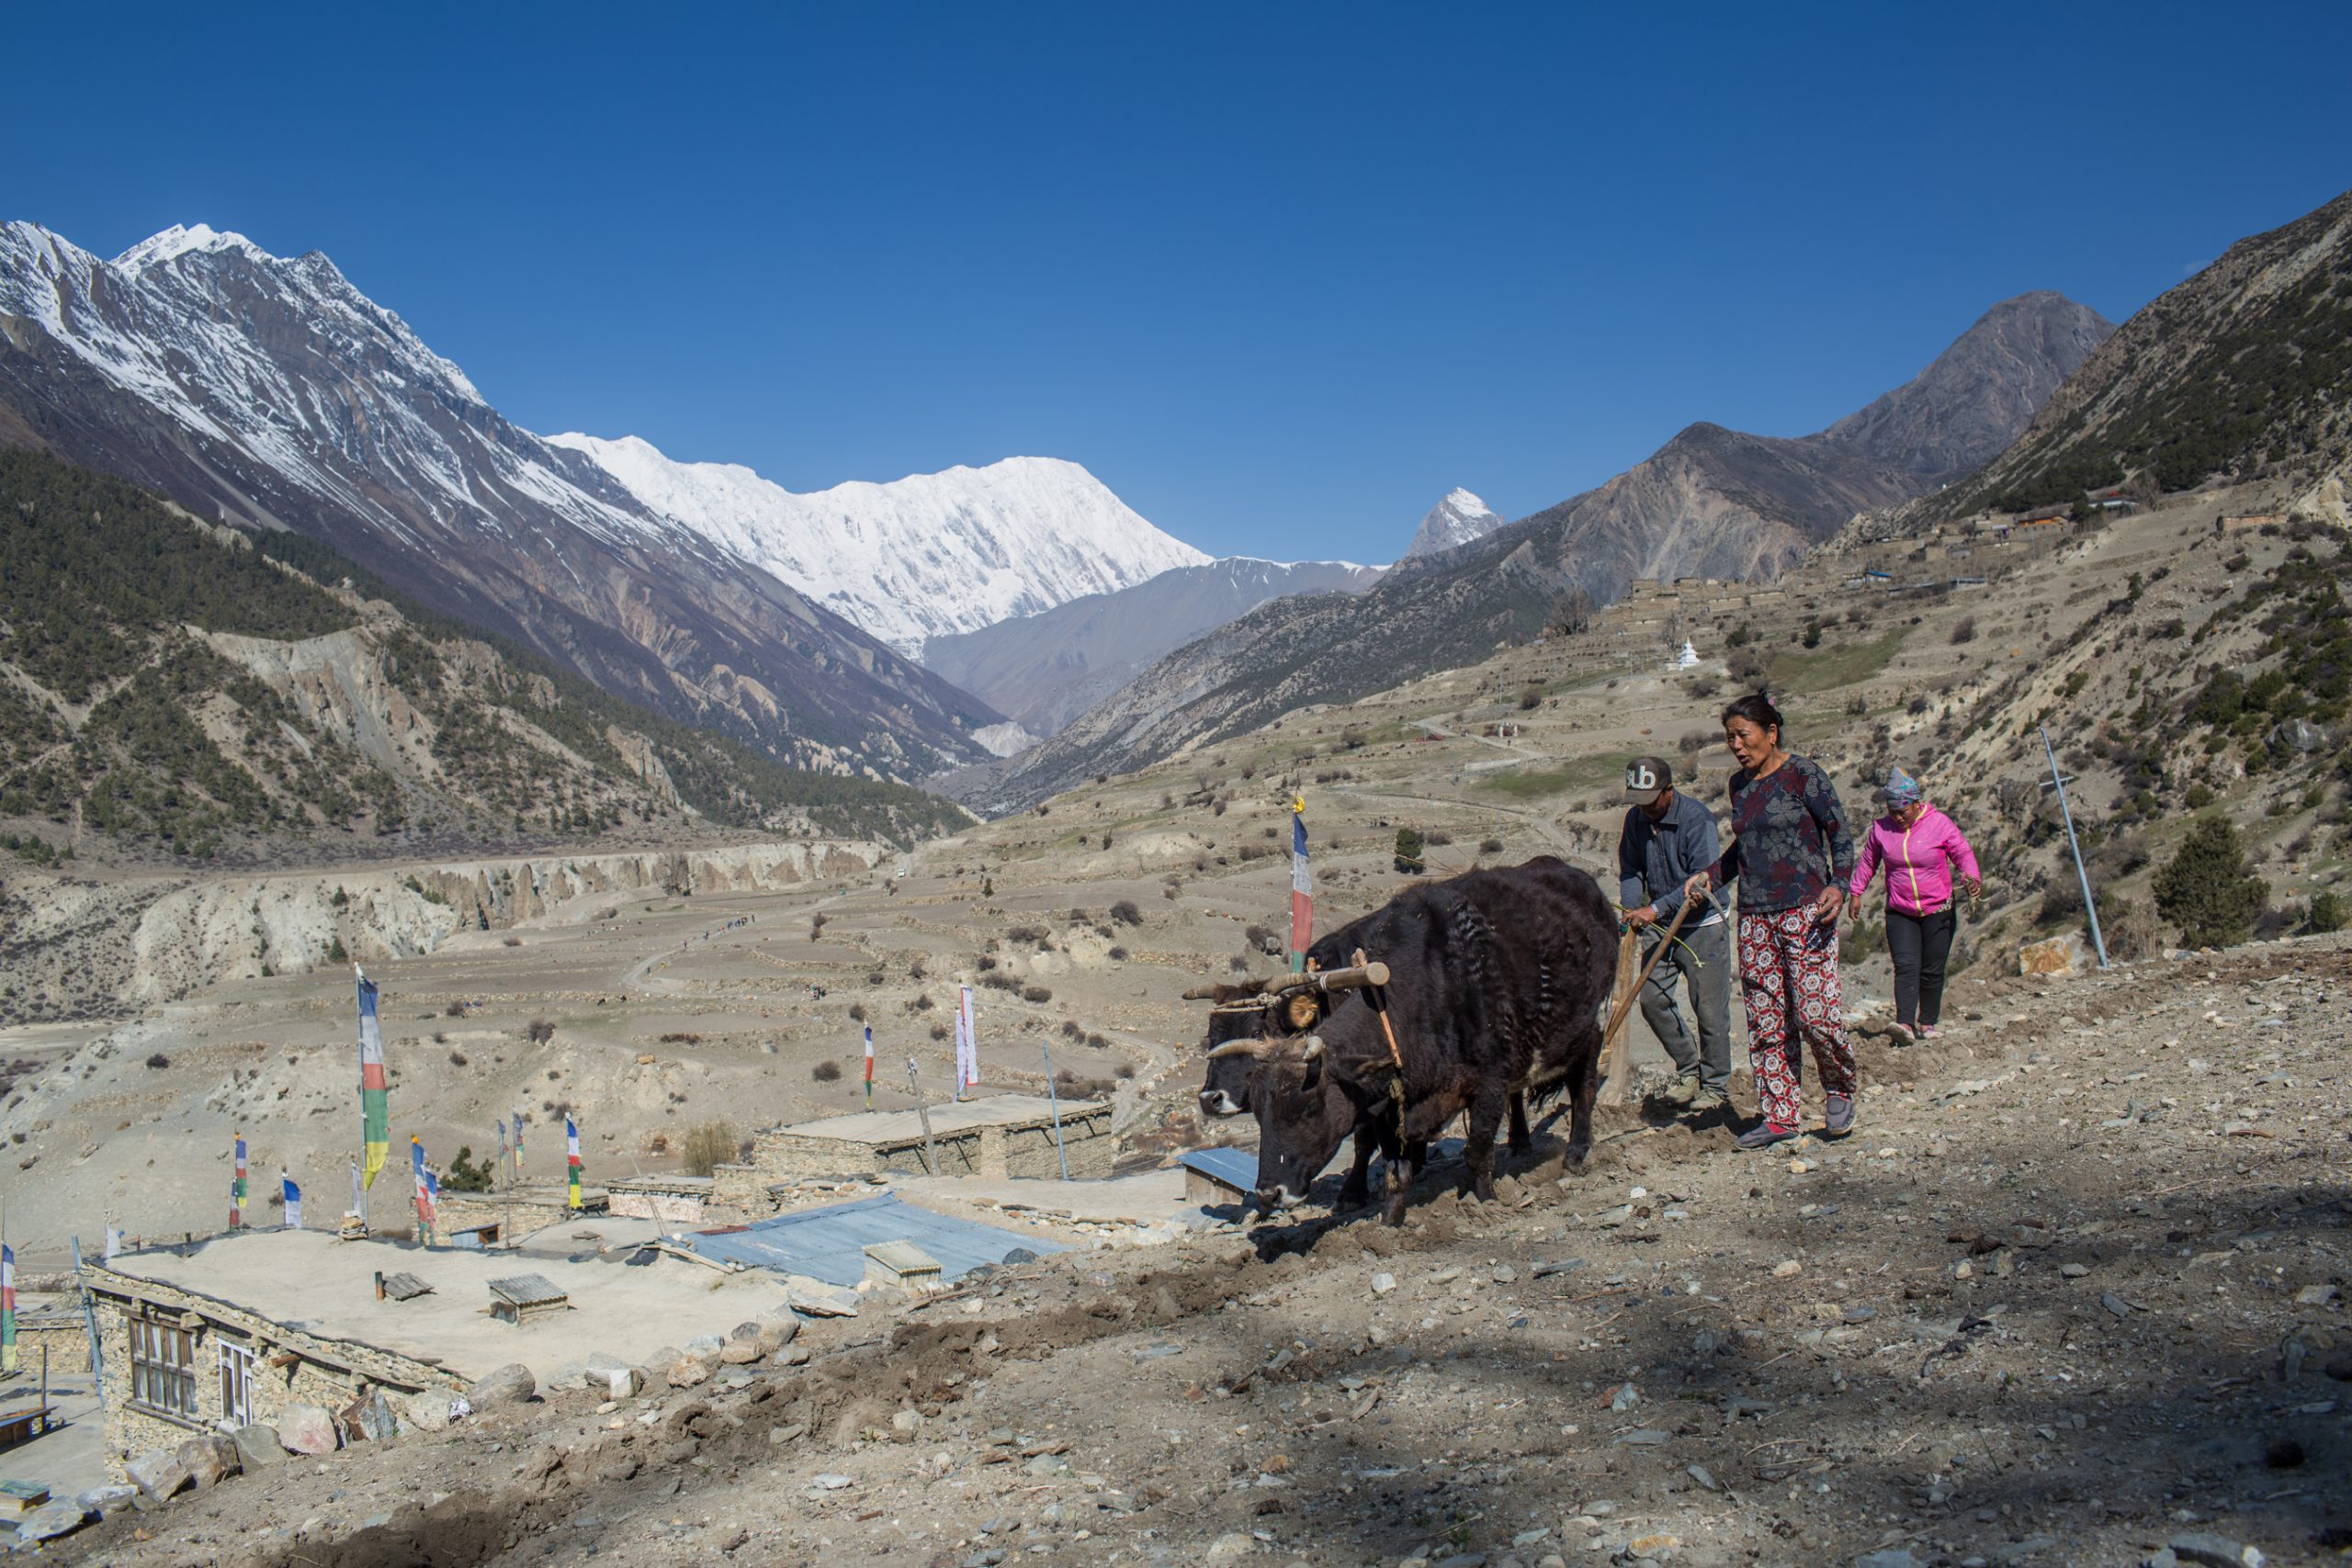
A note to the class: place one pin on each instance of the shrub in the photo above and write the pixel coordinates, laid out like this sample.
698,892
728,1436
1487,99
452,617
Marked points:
456,1058
1118,955
2207,889
1125,912
539,1030
1000,981
1034,935
1532,698
2130,929
455,1010
1741,636
1965,631
707,1145
464,1175
337,953
159,1060
1262,940
511,940
1490,846
826,1072
1408,853
1702,686
1695,741
1811,637
1036,993
1125,1070
2328,913
681,1037
857,1012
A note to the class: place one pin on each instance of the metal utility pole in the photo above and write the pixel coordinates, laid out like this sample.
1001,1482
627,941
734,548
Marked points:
1055,1101
2090,904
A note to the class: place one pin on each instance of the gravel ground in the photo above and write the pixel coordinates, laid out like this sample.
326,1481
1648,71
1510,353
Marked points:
2076,1290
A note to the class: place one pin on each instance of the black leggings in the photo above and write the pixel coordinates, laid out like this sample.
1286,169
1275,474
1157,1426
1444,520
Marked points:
1920,944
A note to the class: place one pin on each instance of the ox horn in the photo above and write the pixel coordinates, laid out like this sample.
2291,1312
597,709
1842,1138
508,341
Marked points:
1313,1047
1233,1048
1201,994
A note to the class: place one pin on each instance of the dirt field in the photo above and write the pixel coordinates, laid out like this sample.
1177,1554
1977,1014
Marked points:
2074,1289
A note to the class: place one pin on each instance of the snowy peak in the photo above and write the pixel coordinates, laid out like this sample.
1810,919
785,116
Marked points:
1458,519
915,558
180,240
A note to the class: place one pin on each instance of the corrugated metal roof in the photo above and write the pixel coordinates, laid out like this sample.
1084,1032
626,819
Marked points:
829,1243
1234,1168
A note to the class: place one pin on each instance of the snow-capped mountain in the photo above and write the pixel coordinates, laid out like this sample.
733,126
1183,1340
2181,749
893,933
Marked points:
1458,519
920,556
269,391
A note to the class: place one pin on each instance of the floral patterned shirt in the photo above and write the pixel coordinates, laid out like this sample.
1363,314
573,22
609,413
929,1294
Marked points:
1789,837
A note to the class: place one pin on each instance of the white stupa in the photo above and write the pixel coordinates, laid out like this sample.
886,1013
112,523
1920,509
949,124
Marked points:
1688,658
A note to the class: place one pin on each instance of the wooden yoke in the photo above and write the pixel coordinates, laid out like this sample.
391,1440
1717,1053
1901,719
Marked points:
1614,1050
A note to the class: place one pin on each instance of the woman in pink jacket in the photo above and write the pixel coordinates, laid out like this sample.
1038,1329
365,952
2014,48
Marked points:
1919,847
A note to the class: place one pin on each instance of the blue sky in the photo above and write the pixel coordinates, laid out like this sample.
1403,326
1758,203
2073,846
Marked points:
1280,274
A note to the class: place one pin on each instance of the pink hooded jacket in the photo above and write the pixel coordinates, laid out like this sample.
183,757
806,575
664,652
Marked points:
1919,862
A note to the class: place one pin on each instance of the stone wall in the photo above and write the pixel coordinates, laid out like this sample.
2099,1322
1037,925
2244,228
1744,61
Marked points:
63,1337
673,1200
529,1210
1000,1149
289,1366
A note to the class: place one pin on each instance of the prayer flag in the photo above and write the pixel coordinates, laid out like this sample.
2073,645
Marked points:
424,1198
114,1241
518,1144
968,1045
869,1066
572,1156
375,1102
7,1308
1302,889
293,1202
237,1188
431,1196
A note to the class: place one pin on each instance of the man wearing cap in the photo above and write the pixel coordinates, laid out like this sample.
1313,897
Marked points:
1668,837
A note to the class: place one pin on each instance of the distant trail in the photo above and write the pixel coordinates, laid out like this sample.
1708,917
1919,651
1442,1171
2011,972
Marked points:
639,974
1568,851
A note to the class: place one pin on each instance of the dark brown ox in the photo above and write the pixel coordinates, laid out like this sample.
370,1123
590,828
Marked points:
1496,982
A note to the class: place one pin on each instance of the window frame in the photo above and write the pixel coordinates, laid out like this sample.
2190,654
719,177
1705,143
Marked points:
161,1385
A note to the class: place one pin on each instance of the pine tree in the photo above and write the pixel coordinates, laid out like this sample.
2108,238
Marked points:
2207,889
1408,852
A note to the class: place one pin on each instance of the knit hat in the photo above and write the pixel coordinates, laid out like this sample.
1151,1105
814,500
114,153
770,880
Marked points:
1900,789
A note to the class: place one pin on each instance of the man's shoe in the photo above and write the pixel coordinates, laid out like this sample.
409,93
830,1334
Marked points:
1840,1119
1764,1135
1680,1092
1706,1102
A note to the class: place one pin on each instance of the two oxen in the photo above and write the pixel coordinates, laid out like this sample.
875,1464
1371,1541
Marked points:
1470,994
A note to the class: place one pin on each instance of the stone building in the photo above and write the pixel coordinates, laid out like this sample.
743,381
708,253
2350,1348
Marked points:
177,1362
238,1329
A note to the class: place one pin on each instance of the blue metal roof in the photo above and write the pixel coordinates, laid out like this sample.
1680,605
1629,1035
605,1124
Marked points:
1238,1168
828,1244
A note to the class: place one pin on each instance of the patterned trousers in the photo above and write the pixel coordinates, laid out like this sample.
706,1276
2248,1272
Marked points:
1788,973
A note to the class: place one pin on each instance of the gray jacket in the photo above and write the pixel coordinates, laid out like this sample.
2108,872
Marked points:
1654,859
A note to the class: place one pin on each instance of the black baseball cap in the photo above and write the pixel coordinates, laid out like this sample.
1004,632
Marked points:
1647,778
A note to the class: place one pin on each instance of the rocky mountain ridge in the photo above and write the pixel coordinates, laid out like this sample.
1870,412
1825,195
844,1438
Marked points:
2242,372
1457,519
926,556
1047,669
1711,502
271,392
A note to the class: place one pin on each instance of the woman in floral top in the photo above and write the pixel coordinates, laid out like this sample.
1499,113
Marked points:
1792,855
